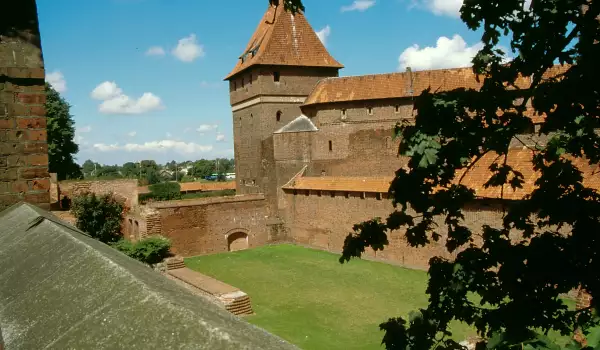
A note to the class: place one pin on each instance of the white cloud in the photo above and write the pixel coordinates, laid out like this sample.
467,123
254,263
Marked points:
220,137
359,5
132,133
156,146
114,101
57,80
207,127
86,128
449,8
188,49
155,51
323,34
448,53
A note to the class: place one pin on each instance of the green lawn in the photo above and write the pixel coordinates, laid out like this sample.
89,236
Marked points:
308,298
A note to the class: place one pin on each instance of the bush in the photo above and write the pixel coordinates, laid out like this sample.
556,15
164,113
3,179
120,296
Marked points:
149,250
165,191
98,216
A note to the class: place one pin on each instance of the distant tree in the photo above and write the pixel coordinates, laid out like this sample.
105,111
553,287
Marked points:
88,167
130,170
203,168
507,285
61,133
109,171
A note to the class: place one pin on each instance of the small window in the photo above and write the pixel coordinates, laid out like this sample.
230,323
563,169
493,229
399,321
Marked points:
330,145
370,110
278,115
276,77
251,115
242,82
378,196
362,195
233,85
397,109
343,113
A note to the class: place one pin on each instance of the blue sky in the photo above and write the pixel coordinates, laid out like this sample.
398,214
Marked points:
145,77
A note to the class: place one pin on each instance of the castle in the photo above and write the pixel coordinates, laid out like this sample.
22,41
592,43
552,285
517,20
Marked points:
315,153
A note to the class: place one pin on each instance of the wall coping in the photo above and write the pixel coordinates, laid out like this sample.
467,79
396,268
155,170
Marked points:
206,201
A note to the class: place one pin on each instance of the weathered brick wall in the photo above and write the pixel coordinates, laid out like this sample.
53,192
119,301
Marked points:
23,147
126,189
323,220
293,81
203,226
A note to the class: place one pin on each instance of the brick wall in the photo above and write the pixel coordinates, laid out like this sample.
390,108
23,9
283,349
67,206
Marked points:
204,226
23,147
125,189
323,220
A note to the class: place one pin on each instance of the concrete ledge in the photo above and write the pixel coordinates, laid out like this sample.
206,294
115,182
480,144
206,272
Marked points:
231,298
206,201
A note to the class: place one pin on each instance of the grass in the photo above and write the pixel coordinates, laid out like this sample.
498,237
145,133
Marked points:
207,194
308,298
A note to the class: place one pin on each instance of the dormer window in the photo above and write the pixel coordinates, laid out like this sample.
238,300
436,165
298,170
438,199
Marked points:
276,77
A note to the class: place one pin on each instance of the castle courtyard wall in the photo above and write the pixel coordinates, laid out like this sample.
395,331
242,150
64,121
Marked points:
207,226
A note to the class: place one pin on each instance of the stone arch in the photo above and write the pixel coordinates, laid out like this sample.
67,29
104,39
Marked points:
237,239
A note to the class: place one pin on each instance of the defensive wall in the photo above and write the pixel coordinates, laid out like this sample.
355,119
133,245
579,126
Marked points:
204,226
125,190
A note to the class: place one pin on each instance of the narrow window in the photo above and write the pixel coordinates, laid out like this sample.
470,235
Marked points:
362,195
343,113
378,196
233,85
330,146
242,82
276,77
397,109
278,115
370,110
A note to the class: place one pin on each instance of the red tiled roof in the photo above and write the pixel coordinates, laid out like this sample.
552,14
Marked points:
284,39
475,179
398,85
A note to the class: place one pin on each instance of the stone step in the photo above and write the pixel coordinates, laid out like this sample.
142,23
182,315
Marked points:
175,265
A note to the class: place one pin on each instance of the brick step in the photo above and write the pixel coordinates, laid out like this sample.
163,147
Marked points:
242,311
175,265
242,300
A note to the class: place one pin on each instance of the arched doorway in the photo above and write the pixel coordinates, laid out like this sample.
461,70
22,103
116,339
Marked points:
237,241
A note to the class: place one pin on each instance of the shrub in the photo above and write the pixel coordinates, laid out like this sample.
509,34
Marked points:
165,191
99,216
149,250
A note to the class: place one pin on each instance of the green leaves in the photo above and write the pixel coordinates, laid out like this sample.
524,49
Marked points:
514,257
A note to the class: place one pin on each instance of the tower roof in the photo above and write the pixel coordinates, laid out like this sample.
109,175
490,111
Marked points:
284,39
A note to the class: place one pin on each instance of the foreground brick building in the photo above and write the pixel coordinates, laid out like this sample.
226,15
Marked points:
23,149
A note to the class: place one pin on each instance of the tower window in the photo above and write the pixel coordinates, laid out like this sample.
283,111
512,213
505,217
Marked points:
397,109
370,110
276,77
278,115
343,113
330,145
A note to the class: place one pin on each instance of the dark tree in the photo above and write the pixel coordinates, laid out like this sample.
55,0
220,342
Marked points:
508,289
61,134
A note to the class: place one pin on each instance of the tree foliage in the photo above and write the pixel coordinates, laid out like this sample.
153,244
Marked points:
508,287
98,216
61,133
150,250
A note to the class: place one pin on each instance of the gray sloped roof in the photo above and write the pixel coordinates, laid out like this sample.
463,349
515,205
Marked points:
61,289
300,124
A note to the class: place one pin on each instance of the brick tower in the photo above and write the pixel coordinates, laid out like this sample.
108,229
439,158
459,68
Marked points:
280,66
23,148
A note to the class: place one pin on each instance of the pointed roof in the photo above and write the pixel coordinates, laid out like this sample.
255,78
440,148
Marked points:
284,39
300,124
